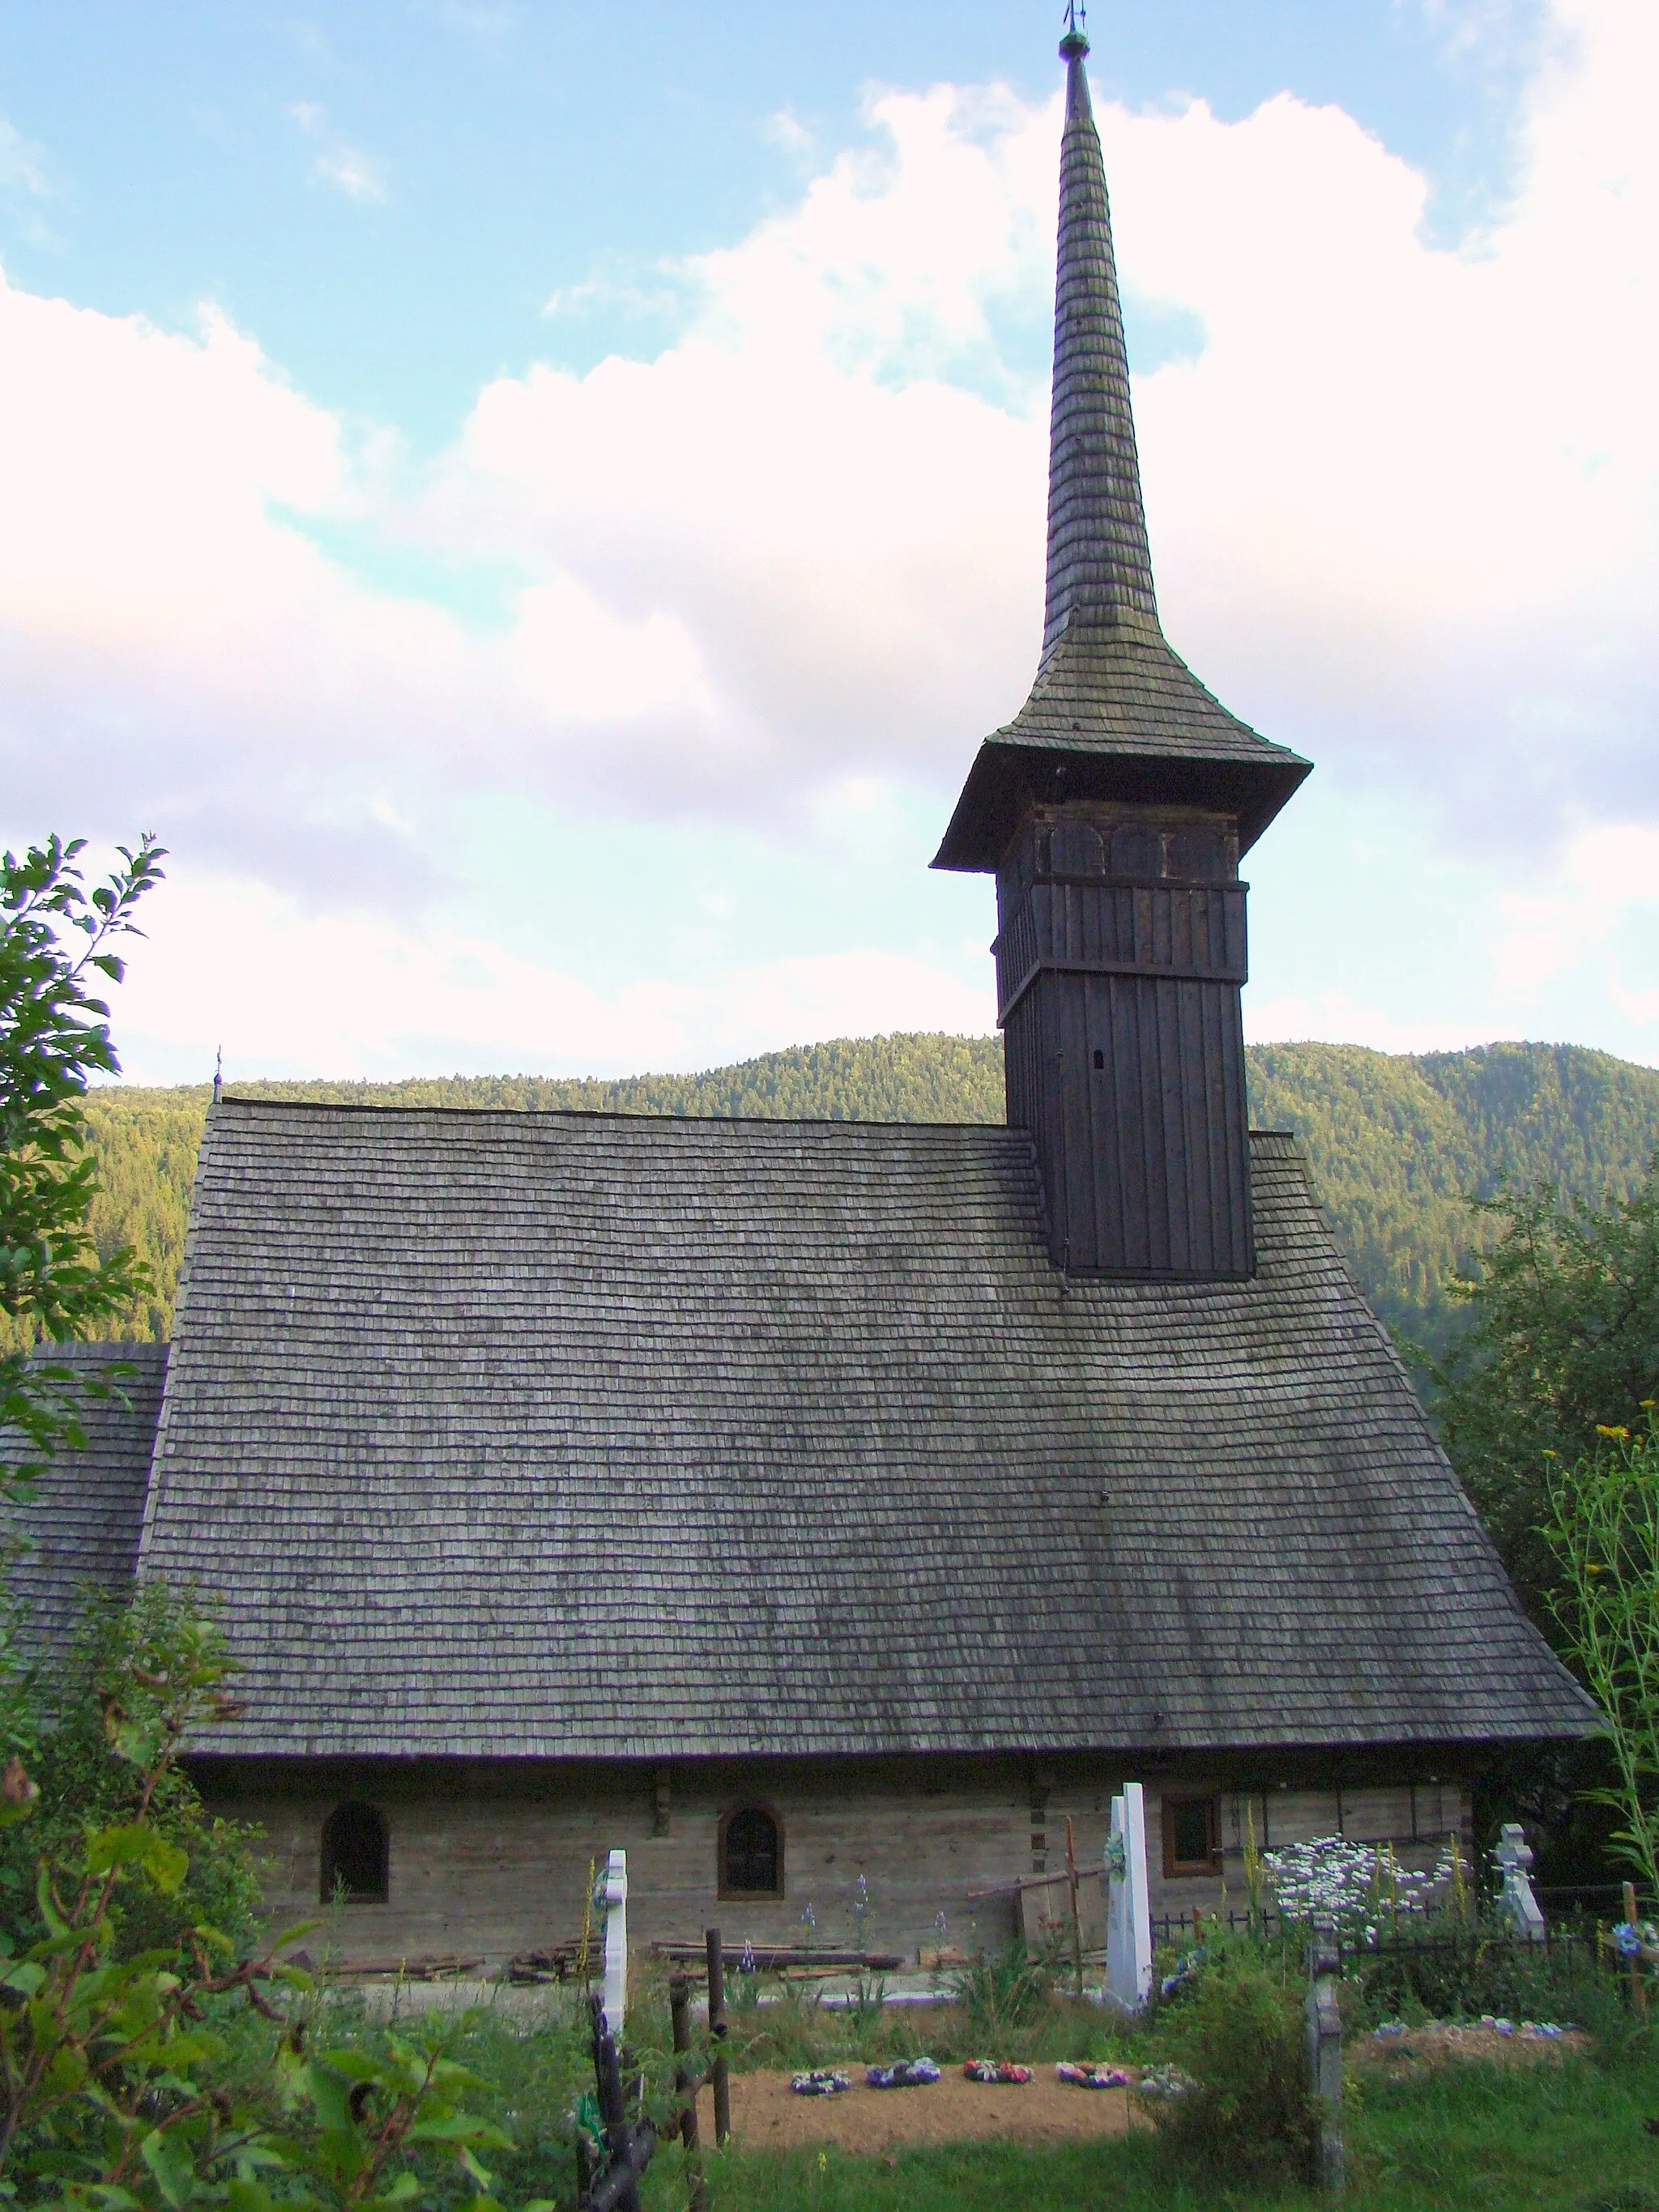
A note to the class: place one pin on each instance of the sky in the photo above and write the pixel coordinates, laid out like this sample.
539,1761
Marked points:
537,506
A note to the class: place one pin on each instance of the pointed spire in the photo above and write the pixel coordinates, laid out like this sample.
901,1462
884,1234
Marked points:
1099,565
1114,714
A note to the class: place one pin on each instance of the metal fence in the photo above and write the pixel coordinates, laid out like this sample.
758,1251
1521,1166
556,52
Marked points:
1445,1969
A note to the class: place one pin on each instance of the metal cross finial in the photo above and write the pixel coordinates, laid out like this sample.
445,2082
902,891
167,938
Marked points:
218,1074
1077,20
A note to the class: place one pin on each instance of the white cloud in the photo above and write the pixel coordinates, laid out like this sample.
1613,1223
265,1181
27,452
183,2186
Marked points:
1605,874
231,963
1295,1018
1403,506
22,163
347,168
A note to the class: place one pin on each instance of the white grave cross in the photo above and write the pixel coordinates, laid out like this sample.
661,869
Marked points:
612,1897
1129,1908
1517,1902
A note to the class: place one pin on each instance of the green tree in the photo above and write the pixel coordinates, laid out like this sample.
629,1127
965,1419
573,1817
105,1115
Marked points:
57,940
133,1636
1602,1527
128,2081
1563,1343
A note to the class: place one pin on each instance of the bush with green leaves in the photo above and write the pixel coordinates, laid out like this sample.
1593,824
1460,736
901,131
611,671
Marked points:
56,939
1563,1340
83,1783
1237,2098
1463,1974
148,2062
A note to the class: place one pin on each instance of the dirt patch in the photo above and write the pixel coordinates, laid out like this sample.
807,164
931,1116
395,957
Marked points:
1442,2045
767,2115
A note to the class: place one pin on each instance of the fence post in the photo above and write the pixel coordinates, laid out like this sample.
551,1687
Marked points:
614,1899
685,2084
1324,2052
1638,1988
1515,1902
1128,1908
1077,1923
613,2106
718,2072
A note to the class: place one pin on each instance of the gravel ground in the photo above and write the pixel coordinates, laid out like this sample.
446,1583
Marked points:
767,2114
1435,2046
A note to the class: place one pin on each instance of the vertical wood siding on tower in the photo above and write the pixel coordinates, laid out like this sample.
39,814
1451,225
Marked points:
1195,929
1145,1159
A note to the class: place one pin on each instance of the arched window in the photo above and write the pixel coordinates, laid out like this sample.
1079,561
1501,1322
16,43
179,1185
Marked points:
751,1854
356,1855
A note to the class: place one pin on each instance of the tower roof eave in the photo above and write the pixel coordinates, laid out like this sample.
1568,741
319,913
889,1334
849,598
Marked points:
1116,713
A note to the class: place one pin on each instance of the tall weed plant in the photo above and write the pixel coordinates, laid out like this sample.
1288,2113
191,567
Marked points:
1234,2097
1004,1990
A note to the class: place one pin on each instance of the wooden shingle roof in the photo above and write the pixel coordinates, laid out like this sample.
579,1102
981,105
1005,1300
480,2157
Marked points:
83,1522
566,1434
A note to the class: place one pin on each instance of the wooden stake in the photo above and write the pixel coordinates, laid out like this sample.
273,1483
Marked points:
1638,1988
719,2071
1076,1924
686,2082
613,2106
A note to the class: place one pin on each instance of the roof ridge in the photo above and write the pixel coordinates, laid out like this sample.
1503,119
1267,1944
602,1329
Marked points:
609,1114
532,1115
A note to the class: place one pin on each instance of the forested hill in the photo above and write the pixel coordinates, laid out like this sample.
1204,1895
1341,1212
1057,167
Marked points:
1396,1143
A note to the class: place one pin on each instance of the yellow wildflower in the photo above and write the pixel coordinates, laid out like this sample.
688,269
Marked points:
1602,1430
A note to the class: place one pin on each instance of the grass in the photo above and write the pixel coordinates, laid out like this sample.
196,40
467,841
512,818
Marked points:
1564,2134
1464,2138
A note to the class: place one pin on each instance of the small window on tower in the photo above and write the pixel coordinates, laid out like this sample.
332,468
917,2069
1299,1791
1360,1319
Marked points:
1197,854
1076,850
1192,1835
1100,1057
1137,852
356,1855
751,1853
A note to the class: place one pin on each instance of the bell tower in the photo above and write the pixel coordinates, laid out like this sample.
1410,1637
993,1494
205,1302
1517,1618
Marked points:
1113,811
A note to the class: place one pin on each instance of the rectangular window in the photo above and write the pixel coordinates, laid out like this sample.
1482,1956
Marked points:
1192,1835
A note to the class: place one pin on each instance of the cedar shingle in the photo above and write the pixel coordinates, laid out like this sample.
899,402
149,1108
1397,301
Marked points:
570,1434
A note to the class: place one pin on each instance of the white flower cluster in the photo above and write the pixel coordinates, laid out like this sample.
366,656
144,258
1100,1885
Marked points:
1164,2081
1359,1885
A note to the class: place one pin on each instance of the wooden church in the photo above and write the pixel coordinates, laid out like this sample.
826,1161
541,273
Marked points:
826,1512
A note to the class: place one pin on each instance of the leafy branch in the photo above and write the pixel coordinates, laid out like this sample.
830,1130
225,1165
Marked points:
118,2089
57,938
1602,1528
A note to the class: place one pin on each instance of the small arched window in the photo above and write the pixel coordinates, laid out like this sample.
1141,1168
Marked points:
751,1854
356,1855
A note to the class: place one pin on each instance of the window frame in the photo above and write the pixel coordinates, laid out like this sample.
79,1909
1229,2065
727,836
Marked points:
736,1811
325,1886
1179,1869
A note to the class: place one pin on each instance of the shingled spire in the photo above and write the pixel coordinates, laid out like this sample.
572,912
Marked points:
1098,561
1114,712
1114,809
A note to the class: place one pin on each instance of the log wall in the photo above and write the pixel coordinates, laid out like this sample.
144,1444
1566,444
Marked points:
491,1858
